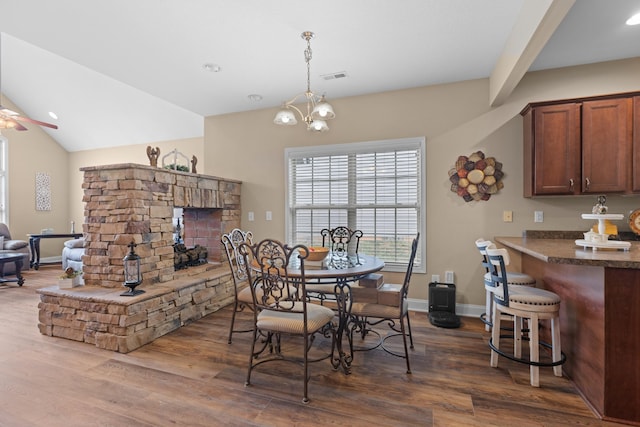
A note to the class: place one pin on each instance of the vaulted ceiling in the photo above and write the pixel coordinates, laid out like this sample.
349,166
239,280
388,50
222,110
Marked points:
125,72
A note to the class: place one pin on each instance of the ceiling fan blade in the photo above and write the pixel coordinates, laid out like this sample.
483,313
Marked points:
7,112
18,126
37,122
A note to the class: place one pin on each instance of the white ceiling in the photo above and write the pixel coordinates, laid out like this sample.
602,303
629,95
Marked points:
125,72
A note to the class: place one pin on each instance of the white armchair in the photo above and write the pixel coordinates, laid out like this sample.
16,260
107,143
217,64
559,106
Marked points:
72,253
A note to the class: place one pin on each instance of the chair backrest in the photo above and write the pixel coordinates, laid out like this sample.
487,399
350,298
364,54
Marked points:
482,245
272,287
4,231
499,259
407,275
232,242
340,238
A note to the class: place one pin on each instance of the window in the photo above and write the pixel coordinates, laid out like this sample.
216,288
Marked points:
376,187
4,189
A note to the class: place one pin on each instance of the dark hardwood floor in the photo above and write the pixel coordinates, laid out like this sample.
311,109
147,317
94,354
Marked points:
192,377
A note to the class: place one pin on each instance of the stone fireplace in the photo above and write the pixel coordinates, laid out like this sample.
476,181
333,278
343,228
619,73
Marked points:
127,203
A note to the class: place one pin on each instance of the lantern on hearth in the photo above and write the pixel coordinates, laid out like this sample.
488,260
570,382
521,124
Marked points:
132,277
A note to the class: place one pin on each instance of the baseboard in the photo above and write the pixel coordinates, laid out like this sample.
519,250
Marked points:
465,310
50,259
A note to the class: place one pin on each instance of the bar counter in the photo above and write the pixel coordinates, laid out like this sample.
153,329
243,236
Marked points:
599,317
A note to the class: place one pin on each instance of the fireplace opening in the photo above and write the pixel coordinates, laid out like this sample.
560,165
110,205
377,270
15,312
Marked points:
197,233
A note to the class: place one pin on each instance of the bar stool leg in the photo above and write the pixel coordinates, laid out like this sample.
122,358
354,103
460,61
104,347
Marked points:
534,350
495,336
488,310
555,342
517,336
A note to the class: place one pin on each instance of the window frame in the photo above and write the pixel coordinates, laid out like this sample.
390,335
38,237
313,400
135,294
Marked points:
379,146
4,180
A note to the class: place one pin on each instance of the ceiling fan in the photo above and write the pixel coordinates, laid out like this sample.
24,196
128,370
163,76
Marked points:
10,119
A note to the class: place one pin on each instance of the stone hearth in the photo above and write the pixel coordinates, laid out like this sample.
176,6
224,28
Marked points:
129,202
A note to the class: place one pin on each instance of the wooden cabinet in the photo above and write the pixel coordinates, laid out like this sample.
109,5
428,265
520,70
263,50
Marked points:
581,147
606,145
552,150
636,145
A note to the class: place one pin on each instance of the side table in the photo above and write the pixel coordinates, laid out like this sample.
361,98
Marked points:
34,245
16,257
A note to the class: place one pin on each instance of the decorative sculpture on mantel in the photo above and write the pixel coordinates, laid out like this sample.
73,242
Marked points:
194,161
153,154
174,165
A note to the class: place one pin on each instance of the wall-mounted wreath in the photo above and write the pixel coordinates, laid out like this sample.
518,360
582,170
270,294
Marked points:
476,177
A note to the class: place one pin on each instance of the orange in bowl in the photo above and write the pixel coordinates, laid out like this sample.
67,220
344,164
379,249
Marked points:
317,253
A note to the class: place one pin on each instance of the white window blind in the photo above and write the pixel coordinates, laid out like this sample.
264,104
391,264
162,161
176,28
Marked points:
376,187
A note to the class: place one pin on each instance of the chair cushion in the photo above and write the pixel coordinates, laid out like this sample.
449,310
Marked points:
517,279
245,296
14,245
74,243
365,309
533,299
292,322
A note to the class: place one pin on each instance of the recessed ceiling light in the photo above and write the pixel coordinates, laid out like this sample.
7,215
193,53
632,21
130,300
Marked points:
53,115
255,97
634,20
214,68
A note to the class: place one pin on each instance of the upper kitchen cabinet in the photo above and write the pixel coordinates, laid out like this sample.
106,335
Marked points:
636,144
606,145
579,146
552,150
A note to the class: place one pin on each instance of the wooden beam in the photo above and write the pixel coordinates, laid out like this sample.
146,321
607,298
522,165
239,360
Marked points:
537,22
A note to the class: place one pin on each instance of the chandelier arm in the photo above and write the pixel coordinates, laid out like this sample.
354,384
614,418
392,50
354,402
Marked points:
293,107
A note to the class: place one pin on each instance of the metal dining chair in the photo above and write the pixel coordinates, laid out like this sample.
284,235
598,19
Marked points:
241,293
368,314
282,308
341,240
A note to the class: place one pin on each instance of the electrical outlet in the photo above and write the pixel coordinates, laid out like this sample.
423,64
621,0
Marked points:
448,277
507,216
268,216
538,216
251,216
435,278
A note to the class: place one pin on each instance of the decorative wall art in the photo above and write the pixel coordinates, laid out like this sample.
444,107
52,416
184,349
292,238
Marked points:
476,177
43,191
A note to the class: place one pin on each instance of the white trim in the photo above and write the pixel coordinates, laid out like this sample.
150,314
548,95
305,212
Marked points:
418,142
464,310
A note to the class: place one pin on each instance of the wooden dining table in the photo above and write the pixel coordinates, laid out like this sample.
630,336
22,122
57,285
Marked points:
329,280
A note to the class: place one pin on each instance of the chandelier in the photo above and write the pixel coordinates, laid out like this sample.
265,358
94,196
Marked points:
318,109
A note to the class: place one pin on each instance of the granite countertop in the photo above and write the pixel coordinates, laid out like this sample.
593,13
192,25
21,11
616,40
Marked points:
565,251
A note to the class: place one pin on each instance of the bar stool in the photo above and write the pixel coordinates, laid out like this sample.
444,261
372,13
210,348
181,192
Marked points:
528,303
515,279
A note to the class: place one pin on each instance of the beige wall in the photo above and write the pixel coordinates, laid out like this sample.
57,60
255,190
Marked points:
31,152
124,154
456,120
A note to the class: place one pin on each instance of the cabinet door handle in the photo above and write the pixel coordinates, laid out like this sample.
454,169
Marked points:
571,184
588,183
